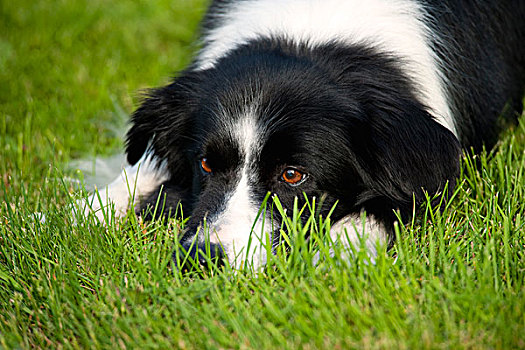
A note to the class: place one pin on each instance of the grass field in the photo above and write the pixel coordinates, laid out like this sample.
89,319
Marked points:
69,72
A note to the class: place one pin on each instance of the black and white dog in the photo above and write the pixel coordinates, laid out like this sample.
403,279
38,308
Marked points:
363,103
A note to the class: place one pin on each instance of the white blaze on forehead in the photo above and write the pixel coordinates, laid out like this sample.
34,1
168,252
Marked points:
398,27
244,131
232,226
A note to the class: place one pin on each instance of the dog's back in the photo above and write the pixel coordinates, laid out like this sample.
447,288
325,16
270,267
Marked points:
481,45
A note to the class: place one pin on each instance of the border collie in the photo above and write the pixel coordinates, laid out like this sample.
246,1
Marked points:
365,104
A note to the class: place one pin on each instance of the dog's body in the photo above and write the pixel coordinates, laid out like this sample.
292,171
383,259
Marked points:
363,103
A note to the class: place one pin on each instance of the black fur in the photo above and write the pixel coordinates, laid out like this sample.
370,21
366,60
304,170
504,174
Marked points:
482,43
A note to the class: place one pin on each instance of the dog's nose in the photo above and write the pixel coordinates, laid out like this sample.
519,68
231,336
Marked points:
204,255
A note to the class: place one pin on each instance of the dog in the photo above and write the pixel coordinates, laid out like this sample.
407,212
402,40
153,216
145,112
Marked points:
364,105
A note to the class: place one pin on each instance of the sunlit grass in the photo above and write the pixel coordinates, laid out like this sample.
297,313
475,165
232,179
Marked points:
70,71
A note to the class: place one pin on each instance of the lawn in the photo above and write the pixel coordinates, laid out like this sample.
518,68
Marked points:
70,73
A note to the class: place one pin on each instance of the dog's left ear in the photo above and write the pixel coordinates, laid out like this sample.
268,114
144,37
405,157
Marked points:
144,122
402,152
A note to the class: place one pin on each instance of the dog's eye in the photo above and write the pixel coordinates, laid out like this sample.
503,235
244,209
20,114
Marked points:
293,176
205,166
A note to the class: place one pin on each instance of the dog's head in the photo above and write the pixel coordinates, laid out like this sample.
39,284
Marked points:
338,124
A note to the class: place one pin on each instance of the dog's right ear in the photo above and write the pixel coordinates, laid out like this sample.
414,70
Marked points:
143,127
161,121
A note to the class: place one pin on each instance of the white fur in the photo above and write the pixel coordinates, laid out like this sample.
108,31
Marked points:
352,231
127,189
247,134
398,27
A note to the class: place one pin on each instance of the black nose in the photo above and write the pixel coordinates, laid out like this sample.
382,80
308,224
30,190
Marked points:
192,255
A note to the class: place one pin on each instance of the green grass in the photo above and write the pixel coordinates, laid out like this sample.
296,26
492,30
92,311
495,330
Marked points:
69,71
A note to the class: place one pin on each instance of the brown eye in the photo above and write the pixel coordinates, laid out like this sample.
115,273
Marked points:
293,176
205,166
